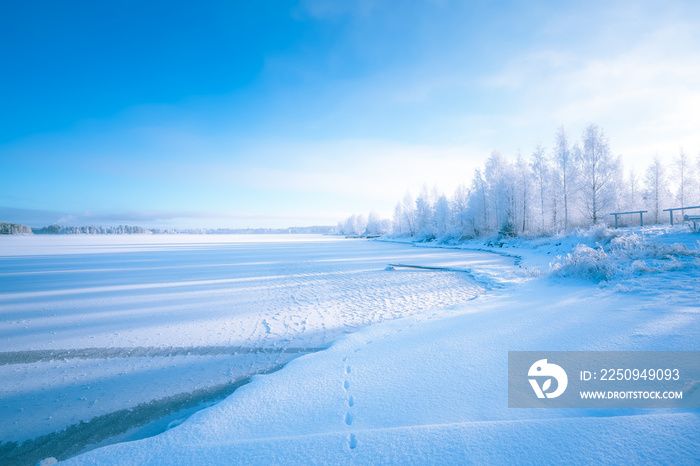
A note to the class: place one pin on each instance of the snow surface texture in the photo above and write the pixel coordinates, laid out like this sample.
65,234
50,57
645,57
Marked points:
118,337
432,387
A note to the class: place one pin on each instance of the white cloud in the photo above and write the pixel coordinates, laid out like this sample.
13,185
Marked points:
646,97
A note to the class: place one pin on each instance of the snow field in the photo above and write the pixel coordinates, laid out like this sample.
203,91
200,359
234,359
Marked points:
91,326
432,388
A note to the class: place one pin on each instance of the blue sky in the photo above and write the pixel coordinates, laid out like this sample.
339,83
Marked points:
248,113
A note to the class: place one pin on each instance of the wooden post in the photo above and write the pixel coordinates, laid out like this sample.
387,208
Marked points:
671,213
615,220
641,219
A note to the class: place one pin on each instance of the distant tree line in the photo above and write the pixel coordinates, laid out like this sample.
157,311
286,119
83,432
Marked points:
90,230
14,229
135,230
568,184
315,229
372,225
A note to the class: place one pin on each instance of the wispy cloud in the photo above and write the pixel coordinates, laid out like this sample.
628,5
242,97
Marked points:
646,96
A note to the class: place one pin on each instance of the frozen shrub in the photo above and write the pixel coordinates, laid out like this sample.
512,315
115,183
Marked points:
624,255
507,231
583,262
600,233
640,267
633,247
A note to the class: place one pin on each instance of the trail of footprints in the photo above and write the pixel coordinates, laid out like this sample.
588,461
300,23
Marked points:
349,416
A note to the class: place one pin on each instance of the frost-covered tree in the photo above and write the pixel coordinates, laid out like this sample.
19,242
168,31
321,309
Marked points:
597,168
397,221
374,224
479,191
540,172
508,191
657,193
460,202
358,224
424,212
443,215
524,192
496,190
682,176
633,192
476,216
555,199
409,214
618,185
361,225
435,194
565,160
349,226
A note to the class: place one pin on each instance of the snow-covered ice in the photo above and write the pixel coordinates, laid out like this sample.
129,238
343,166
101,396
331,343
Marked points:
116,332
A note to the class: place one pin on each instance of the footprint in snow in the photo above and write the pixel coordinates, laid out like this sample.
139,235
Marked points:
349,417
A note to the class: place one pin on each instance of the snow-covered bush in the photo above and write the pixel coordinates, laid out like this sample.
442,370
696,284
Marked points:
598,234
584,262
507,230
623,255
637,247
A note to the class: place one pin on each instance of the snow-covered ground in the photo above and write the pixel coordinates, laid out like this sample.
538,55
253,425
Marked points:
116,337
431,387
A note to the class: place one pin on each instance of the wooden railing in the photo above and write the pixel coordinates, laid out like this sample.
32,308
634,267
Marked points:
640,212
670,211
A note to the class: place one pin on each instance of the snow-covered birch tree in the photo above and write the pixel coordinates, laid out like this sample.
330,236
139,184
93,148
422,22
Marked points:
443,215
397,221
565,166
524,190
656,191
682,176
409,214
597,174
538,162
460,202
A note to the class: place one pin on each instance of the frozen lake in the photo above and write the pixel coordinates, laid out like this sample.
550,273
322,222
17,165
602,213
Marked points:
117,337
